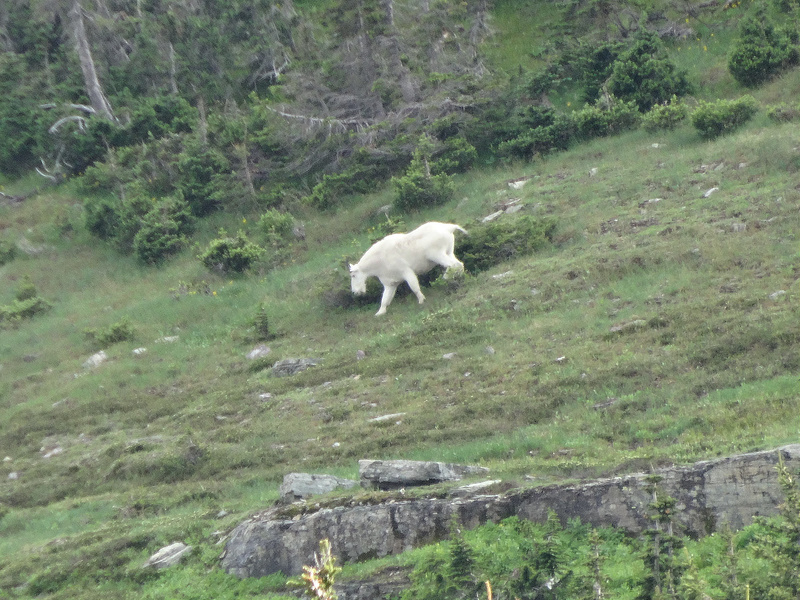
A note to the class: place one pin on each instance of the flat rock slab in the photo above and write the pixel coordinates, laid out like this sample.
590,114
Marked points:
298,486
395,474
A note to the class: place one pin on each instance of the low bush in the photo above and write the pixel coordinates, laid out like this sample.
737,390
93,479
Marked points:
230,254
665,116
605,118
26,305
120,331
492,243
713,119
784,113
276,224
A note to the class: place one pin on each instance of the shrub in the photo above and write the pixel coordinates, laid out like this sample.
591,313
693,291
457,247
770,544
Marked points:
541,130
783,113
276,224
201,168
644,75
605,118
419,187
458,156
8,252
113,334
713,119
357,179
226,254
492,243
761,51
665,116
163,231
27,303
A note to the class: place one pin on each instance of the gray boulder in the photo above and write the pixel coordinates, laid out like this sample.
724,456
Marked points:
298,486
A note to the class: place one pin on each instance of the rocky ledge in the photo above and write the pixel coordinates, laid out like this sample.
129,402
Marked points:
709,494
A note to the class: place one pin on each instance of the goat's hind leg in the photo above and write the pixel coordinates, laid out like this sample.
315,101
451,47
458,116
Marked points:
413,283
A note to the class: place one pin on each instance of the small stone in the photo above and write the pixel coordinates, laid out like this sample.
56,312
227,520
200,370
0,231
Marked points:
95,360
709,192
449,356
168,556
776,295
53,452
258,352
139,351
386,417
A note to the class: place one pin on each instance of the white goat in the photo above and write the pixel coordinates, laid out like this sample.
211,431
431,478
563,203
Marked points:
402,256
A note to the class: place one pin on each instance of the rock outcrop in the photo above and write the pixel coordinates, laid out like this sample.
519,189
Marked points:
711,493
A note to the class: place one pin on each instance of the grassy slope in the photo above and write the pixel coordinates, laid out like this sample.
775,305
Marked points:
156,445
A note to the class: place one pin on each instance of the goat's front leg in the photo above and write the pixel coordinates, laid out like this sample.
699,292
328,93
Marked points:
386,299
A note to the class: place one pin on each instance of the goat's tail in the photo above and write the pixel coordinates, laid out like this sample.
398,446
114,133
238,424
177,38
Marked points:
461,229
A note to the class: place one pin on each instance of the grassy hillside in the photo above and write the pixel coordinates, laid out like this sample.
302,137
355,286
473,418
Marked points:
660,327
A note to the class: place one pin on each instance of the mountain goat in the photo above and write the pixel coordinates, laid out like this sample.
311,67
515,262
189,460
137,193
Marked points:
402,256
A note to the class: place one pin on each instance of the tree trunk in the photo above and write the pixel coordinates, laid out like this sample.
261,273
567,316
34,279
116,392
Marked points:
93,89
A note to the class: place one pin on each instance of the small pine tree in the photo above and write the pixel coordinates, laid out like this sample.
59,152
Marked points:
664,569
460,570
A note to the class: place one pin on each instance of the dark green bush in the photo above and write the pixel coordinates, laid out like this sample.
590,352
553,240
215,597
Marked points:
458,156
359,178
541,130
419,187
230,254
713,119
201,168
8,252
163,231
491,243
665,116
644,74
762,51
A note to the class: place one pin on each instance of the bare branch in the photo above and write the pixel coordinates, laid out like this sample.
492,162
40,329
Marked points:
57,125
